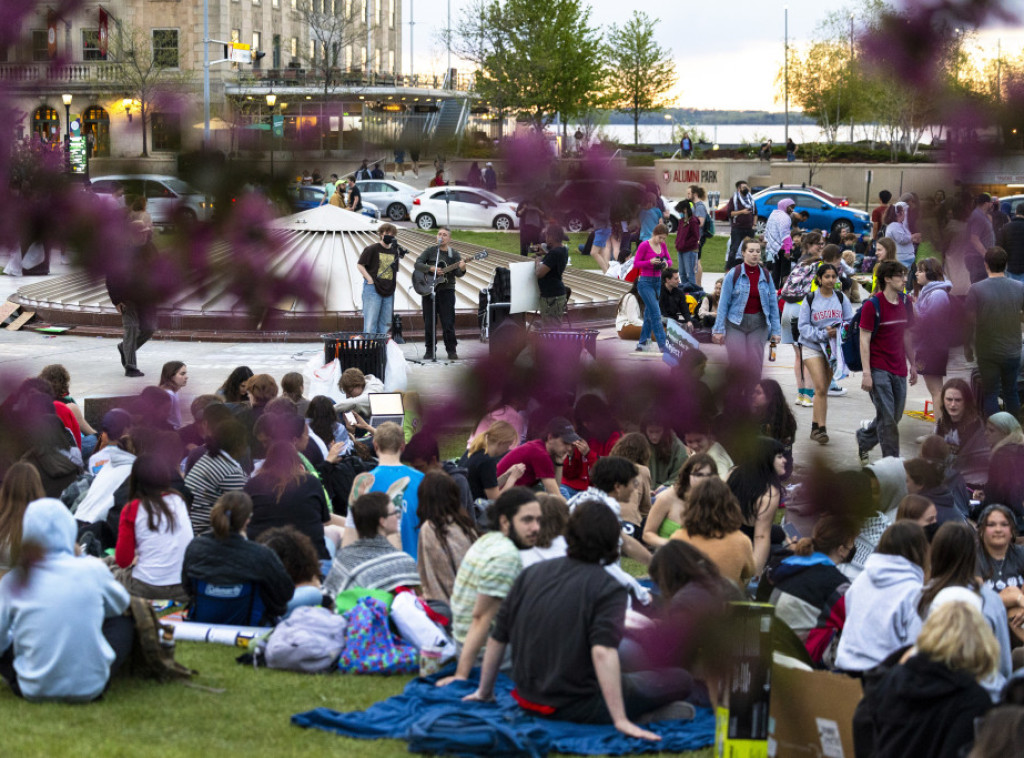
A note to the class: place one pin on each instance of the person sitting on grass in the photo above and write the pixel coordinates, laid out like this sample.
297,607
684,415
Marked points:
372,562
62,632
564,619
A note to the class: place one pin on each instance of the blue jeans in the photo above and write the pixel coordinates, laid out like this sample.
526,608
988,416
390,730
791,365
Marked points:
999,378
649,287
688,268
376,311
889,396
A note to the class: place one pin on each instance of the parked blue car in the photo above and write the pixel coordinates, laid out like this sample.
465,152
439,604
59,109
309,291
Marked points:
822,213
303,197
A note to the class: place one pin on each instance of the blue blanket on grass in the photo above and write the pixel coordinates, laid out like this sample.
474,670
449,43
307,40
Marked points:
434,720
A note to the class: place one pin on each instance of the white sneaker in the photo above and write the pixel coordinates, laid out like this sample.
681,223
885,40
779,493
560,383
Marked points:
865,423
803,401
836,391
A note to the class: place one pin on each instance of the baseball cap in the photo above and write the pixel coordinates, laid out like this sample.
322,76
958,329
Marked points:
489,163
115,422
561,427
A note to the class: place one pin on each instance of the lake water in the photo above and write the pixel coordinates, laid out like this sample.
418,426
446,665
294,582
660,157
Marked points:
736,134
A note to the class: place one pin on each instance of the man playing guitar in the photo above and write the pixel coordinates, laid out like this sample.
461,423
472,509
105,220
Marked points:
440,304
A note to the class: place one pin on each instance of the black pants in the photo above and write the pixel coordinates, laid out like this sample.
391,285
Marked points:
119,632
446,314
139,325
642,692
781,267
528,235
736,236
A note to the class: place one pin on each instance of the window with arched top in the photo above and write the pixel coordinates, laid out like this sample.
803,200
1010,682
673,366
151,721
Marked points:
46,124
96,128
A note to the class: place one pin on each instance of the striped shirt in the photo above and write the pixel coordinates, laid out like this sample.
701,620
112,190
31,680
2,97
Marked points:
210,478
489,568
372,564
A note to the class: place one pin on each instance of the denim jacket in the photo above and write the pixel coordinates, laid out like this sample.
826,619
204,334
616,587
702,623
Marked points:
735,288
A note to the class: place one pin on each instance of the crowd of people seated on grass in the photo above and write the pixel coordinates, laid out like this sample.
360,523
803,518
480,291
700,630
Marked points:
590,550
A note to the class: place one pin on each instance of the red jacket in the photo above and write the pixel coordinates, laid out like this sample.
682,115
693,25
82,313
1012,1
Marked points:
688,236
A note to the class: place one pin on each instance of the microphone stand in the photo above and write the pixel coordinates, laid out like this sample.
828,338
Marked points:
433,305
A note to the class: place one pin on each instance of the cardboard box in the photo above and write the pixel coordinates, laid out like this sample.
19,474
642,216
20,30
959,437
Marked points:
741,729
812,714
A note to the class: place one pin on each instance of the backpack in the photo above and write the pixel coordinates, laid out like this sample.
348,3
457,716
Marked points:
153,649
851,332
798,284
309,641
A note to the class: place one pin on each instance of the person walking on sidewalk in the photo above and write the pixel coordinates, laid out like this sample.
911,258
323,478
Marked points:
993,309
886,350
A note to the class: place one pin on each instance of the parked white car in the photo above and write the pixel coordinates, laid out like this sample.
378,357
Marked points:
168,198
394,198
461,207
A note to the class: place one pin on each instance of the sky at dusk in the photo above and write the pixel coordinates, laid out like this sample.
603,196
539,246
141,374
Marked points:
727,54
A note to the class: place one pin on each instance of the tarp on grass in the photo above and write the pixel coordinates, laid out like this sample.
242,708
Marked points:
434,719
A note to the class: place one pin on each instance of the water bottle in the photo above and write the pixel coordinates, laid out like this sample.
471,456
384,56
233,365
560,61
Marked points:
771,352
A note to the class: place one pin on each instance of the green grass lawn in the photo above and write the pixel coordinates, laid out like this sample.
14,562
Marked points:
713,258
250,717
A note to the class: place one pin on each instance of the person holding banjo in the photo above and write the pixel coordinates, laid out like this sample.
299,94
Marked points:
440,264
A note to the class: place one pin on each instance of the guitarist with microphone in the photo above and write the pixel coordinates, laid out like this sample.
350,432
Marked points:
440,304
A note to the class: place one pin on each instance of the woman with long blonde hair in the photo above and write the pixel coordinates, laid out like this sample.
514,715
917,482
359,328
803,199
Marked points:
485,450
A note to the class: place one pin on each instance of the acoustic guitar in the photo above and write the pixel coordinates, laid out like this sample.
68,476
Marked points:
424,283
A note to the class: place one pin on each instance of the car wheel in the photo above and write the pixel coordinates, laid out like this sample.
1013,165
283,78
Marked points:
503,223
396,212
425,221
672,224
842,226
186,218
576,222
759,226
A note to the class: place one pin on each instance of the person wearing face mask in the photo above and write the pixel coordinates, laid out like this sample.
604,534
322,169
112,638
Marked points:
742,214
378,265
440,305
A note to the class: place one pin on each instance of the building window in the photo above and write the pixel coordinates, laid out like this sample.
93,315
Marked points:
255,2
275,4
165,47
295,47
40,48
96,122
277,51
46,122
312,50
295,5
348,57
391,13
391,62
166,131
91,45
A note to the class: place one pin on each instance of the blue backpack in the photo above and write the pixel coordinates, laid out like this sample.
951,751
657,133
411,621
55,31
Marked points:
851,332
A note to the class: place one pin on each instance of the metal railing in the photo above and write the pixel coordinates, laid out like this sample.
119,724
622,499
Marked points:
99,71
300,77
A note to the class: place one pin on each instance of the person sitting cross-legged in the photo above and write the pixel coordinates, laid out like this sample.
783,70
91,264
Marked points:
564,620
372,562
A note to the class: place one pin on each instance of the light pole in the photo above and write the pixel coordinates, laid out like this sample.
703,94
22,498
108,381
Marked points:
851,76
271,101
786,67
66,97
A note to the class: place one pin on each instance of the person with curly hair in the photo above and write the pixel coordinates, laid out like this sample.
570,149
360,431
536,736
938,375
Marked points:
711,523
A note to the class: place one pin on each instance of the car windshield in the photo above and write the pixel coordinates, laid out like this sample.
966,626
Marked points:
491,196
179,187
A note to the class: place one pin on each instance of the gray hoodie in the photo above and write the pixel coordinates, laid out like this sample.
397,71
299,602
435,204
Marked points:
881,612
54,615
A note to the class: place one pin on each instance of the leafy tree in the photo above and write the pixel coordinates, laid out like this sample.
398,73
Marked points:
330,31
145,73
641,72
537,59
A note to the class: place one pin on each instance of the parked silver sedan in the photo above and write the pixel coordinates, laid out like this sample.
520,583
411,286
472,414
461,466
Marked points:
394,198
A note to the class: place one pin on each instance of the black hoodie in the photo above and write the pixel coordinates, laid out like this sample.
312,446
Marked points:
926,710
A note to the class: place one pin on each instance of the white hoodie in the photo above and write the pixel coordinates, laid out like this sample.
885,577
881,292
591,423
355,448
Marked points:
881,612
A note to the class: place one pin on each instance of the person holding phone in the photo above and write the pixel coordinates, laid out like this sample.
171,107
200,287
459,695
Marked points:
652,258
549,264
441,304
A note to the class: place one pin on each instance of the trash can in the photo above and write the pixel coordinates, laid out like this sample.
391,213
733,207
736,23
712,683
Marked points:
570,343
366,352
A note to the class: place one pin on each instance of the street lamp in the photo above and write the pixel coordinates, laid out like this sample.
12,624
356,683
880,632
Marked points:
271,101
126,103
66,97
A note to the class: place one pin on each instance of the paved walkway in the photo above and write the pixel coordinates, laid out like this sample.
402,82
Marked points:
96,371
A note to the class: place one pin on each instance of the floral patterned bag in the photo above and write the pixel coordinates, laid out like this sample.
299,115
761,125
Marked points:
371,648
